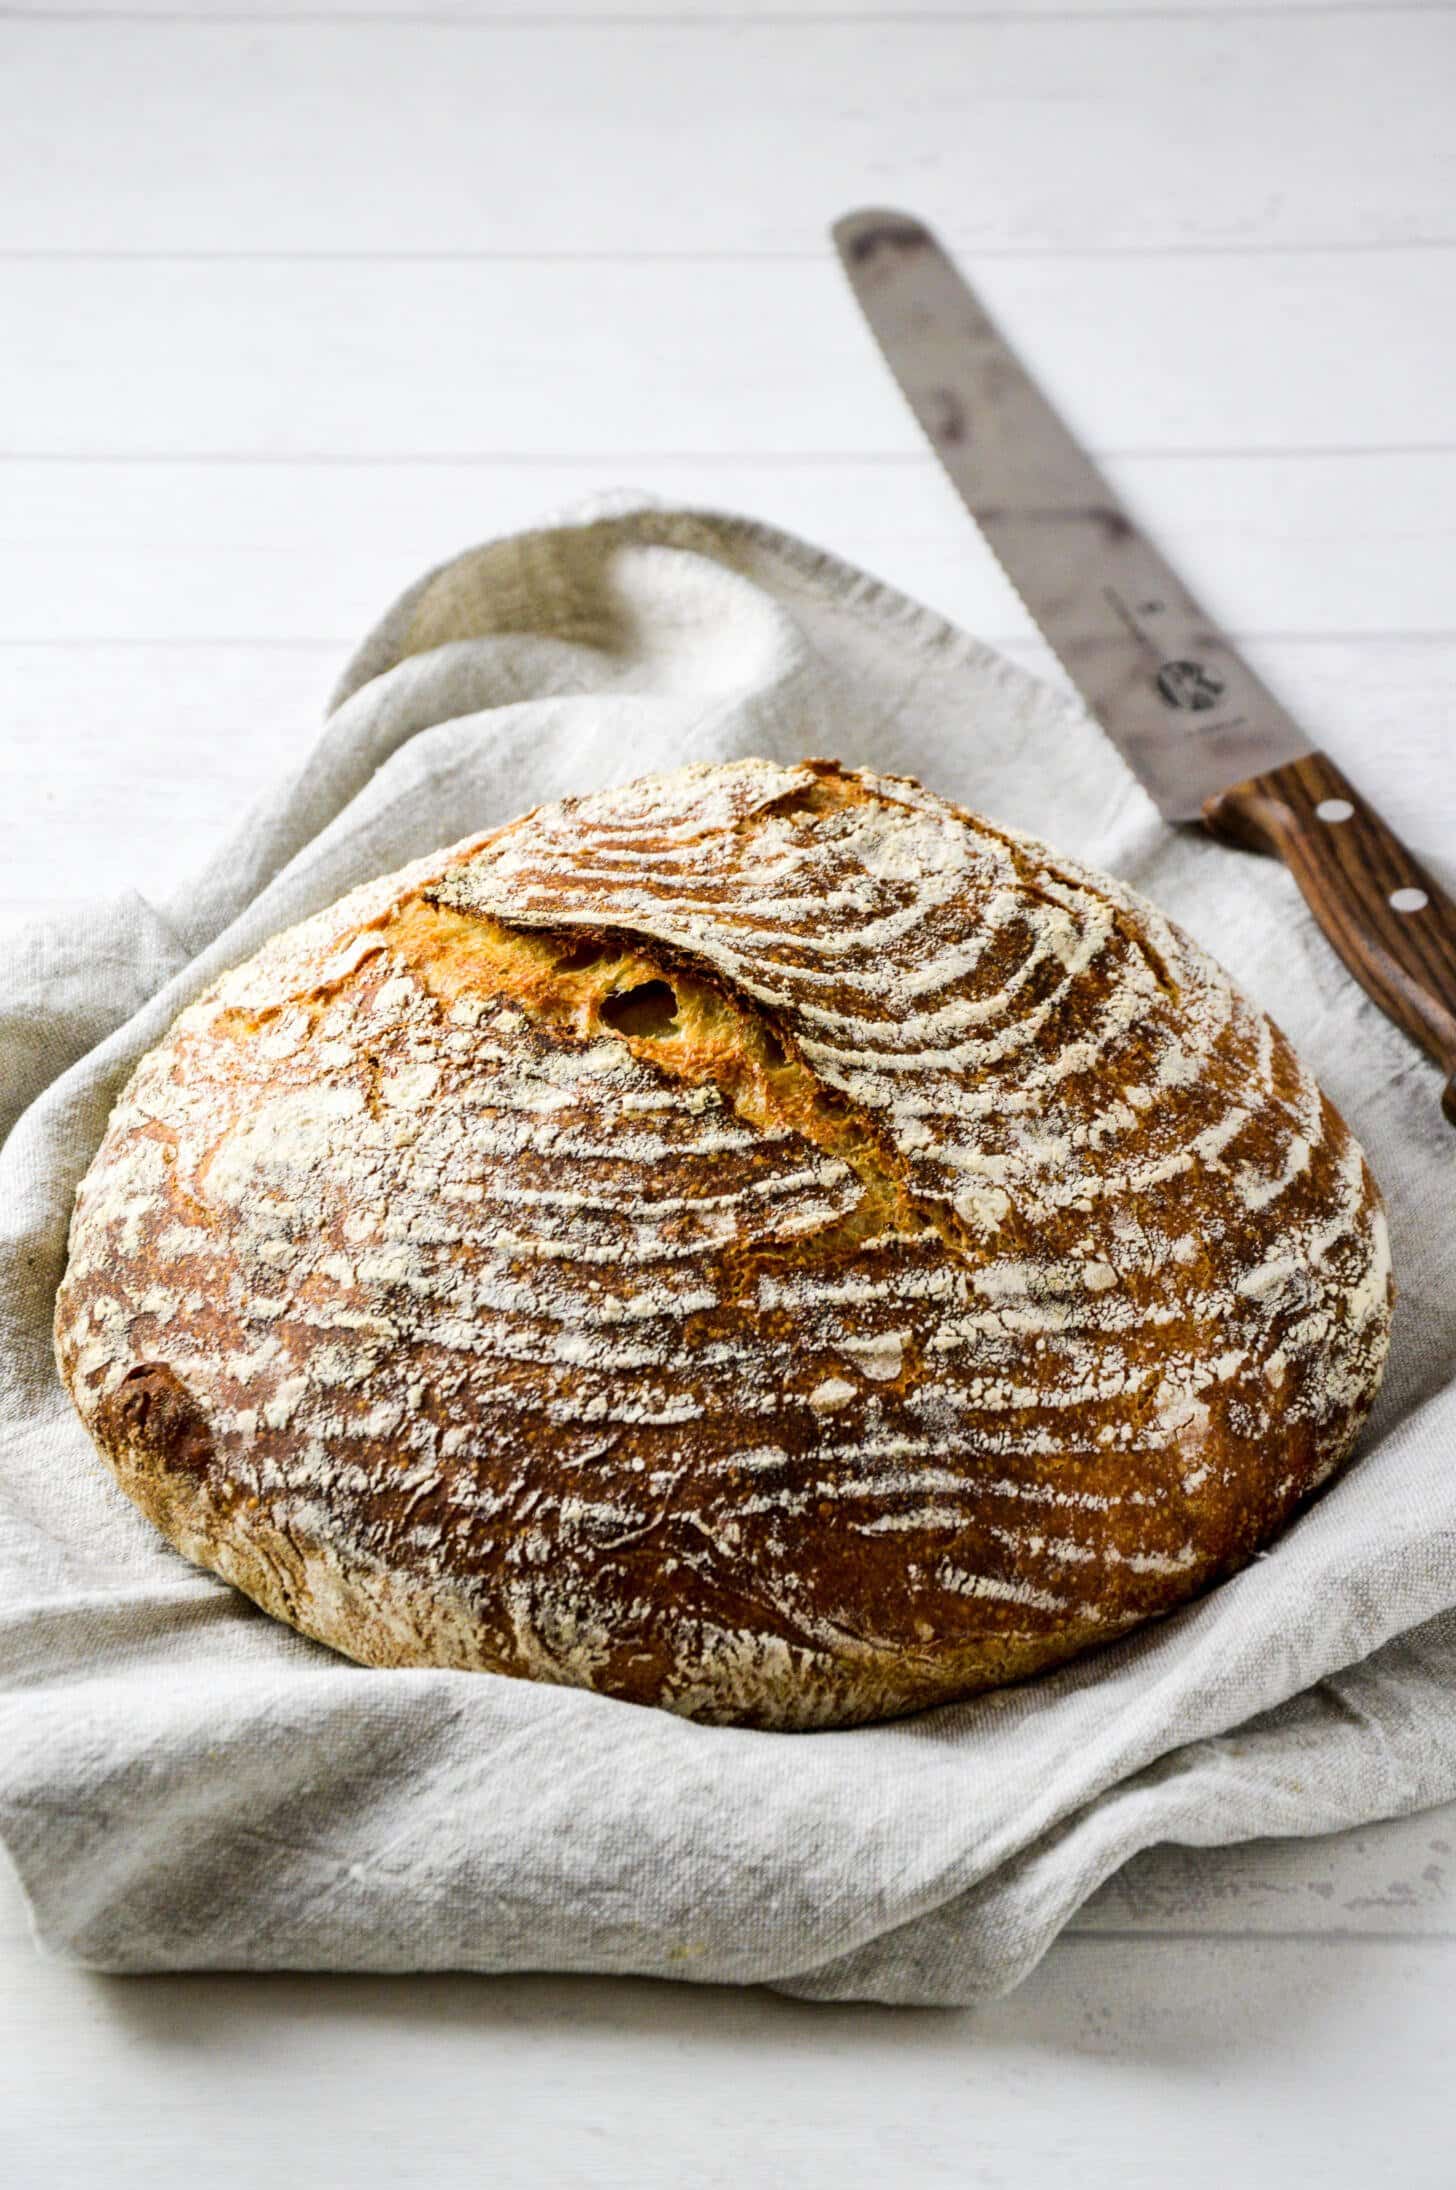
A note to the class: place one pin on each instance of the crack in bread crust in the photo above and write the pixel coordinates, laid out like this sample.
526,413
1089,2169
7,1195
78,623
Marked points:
759,1241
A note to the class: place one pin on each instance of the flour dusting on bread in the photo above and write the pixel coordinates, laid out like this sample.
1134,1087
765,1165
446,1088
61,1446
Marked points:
759,1241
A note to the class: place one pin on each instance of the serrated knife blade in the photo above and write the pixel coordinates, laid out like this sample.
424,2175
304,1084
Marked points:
1187,714
1206,737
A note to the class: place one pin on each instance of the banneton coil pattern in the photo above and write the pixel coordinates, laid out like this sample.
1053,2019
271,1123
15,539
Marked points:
759,1241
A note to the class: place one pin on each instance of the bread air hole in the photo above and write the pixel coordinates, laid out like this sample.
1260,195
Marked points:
648,1011
816,799
580,957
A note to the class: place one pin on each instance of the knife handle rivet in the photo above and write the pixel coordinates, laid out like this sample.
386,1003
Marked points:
1334,809
1405,901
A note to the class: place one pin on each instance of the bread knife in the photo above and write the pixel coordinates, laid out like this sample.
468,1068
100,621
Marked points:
1208,741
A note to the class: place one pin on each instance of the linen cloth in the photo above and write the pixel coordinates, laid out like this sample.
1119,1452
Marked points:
185,1784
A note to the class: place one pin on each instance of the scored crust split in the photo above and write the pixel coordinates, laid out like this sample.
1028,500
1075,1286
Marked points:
759,1241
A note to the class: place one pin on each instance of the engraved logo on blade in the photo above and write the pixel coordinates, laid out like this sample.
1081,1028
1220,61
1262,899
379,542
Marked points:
1188,684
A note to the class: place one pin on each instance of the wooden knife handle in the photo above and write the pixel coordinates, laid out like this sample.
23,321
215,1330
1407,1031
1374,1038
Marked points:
1393,925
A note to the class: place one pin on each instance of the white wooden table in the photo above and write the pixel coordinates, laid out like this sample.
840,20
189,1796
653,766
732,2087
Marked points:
297,301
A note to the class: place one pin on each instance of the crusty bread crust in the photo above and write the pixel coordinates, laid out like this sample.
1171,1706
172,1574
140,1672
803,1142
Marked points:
759,1241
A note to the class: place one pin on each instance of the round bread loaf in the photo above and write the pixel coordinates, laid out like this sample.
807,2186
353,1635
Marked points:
759,1241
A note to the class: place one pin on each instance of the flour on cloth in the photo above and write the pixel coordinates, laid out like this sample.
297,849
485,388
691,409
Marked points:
185,1784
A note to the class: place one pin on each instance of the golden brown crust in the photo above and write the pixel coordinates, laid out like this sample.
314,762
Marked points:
759,1241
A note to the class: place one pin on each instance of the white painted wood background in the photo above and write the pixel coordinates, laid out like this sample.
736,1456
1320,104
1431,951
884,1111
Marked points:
294,301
